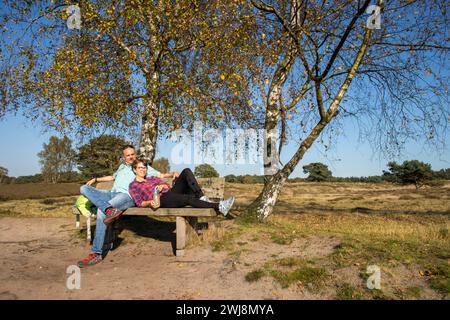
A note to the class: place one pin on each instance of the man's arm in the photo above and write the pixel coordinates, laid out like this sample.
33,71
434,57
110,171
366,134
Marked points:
102,179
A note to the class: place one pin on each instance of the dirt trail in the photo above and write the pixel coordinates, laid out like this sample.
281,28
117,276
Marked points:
35,253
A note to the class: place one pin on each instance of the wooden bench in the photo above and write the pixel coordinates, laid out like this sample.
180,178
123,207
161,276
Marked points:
186,218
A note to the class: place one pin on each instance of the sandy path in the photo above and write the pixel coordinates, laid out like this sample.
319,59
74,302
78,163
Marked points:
35,253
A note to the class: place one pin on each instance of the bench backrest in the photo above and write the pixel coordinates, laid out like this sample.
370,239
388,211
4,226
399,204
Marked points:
212,187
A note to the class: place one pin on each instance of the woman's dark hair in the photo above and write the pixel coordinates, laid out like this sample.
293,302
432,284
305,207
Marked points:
136,162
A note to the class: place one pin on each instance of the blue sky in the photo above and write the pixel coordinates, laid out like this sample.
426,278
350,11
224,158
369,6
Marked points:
22,139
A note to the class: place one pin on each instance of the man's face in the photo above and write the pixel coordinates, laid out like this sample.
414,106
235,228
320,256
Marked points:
129,155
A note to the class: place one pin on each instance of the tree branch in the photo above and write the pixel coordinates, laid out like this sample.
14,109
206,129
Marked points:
270,9
344,39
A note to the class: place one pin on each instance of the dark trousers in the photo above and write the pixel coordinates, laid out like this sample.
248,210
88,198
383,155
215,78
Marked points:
185,192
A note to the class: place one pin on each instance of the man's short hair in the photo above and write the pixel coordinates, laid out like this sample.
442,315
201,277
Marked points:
128,146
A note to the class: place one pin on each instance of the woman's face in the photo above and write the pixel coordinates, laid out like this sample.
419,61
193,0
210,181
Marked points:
141,170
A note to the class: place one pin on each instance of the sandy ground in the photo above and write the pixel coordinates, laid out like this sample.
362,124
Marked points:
35,253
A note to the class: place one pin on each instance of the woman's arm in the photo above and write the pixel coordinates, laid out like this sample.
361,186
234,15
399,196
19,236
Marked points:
149,203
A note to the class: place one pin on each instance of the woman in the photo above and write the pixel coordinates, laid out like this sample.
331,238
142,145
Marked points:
185,191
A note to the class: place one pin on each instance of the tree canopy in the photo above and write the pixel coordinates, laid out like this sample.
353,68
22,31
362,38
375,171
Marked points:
409,172
152,66
317,172
205,171
162,165
100,156
57,157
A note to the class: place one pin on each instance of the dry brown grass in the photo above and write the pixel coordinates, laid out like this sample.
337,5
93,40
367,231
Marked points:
50,207
37,190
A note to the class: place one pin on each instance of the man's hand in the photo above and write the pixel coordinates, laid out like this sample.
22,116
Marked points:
175,174
91,182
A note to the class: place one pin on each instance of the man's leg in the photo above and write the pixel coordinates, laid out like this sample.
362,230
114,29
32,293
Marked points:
100,198
120,201
187,184
100,230
117,200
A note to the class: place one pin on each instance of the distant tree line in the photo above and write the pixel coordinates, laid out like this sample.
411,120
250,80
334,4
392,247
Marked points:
409,172
99,157
102,155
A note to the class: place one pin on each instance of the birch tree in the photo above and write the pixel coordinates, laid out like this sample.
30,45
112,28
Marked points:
382,64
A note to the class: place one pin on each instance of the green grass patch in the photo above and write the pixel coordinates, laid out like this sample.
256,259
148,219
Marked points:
440,278
311,277
347,291
254,275
280,238
412,293
289,270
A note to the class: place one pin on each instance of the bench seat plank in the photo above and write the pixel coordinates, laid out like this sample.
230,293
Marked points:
174,212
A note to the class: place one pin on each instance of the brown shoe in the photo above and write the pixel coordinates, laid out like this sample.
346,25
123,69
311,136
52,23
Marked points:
113,215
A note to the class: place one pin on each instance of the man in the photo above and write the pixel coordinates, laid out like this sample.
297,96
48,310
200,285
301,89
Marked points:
112,203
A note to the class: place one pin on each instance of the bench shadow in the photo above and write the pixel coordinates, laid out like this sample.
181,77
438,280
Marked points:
143,226
147,227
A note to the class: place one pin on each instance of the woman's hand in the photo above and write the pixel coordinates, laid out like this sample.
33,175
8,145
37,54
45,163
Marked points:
154,205
161,187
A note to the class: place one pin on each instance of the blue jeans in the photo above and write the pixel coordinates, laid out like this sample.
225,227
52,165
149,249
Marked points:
104,199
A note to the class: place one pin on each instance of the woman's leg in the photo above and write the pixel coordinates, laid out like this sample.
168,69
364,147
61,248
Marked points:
176,200
187,184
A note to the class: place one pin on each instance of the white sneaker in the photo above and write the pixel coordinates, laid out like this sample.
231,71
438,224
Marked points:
205,198
225,206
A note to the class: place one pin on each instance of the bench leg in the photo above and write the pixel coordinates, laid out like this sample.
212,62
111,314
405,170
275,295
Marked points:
76,212
88,228
186,233
181,236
